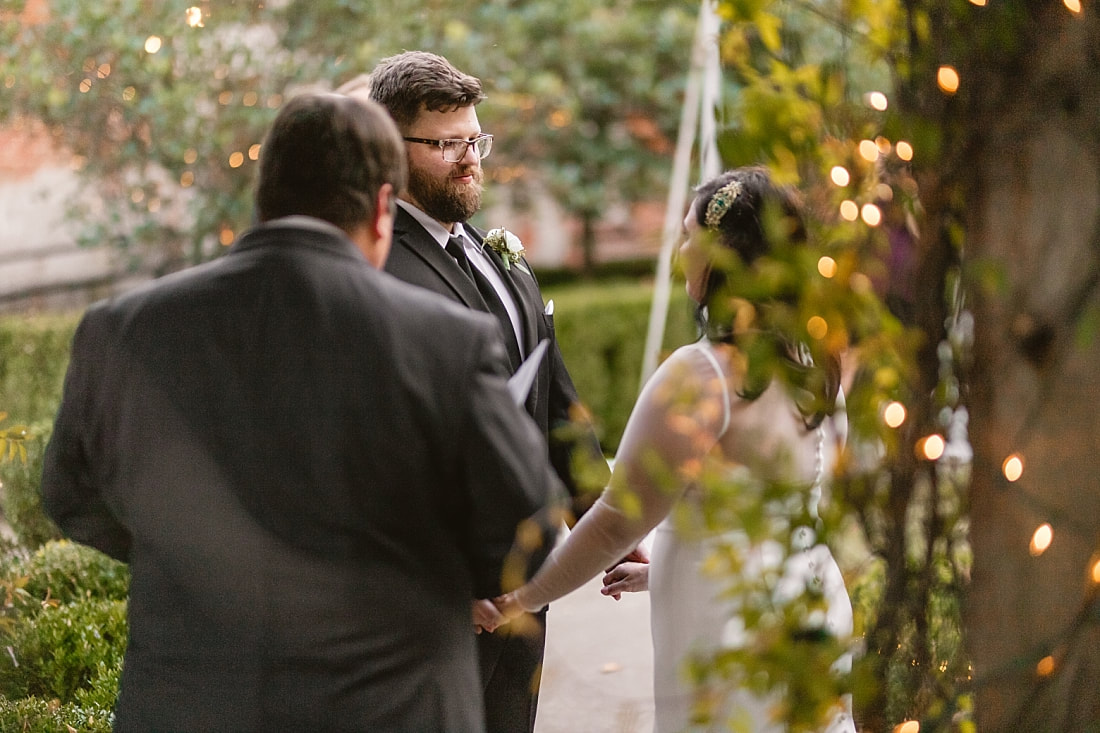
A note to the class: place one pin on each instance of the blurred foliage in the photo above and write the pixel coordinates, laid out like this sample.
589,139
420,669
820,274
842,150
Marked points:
21,497
162,108
63,623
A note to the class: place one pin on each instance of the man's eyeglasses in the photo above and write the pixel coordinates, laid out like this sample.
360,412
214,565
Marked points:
454,150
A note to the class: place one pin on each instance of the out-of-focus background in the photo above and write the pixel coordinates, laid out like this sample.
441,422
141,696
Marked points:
947,154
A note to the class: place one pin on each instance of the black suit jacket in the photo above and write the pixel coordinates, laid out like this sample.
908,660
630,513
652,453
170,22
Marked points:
418,259
311,468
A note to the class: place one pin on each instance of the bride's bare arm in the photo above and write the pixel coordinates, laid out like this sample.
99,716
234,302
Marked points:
675,422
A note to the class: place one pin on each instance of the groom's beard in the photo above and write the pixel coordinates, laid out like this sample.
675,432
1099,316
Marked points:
443,199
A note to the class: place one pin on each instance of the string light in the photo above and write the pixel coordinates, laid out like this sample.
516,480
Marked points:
948,79
839,175
871,214
1045,666
894,414
817,327
877,100
1013,467
826,266
931,446
1040,541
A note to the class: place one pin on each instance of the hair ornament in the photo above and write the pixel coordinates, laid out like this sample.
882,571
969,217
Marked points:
721,202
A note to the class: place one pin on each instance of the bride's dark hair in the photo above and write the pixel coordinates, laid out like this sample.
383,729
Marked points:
744,209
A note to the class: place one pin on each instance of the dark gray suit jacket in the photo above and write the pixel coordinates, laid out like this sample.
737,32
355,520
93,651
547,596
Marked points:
311,468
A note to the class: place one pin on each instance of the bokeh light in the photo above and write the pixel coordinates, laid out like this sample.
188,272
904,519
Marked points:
839,175
152,44
194,17
817,327
254,152
826,266
931,447
894,414
226,236
904,150
1096,572
1074,6
868,150
849,210
1045,666
871,214
236,160
948,79
877,100
1041,539
909,726
1013,467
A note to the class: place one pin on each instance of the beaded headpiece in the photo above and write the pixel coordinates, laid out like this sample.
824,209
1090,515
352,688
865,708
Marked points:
721,202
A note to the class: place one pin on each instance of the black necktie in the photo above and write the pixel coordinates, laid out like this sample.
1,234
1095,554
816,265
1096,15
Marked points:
456,249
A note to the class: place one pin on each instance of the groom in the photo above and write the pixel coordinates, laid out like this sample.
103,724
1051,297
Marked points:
310,466
433,104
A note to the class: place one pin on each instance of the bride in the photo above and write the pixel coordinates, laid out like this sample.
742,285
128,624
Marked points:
746,407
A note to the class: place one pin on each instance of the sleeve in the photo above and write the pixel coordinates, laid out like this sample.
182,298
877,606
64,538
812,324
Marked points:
677,420
517,500
71,495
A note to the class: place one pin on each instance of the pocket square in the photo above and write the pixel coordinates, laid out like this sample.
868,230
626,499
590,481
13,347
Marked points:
549,307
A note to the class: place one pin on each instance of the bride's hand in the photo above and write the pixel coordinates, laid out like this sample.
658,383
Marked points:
486,616
508,607
627,577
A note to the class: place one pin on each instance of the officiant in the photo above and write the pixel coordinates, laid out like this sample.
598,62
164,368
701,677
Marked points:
310,466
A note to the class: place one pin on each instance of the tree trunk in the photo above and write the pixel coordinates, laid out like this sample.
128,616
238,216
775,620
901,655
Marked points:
1032,620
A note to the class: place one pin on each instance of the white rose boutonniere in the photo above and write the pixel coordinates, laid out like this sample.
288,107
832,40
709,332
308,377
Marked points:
508,246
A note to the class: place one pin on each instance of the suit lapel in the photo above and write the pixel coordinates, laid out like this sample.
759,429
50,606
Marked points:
522,286
409,235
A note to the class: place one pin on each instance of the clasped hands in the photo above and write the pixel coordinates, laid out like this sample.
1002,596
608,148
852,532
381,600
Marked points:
629,575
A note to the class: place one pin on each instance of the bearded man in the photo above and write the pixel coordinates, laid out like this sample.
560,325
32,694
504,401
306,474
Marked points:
433,104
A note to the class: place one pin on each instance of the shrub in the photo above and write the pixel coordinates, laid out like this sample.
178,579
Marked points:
601,330
35,356
67,572
21,494
57,651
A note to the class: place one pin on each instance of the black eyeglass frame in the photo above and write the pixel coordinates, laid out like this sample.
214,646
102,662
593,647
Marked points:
441,144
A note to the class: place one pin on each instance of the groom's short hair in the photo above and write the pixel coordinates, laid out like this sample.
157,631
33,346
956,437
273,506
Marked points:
413,81
327,156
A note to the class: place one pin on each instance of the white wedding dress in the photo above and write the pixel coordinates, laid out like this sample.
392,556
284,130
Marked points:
689,422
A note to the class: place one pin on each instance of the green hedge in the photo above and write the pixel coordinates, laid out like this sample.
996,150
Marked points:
601,330
63,628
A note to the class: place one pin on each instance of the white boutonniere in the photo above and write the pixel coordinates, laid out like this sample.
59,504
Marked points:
508,246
